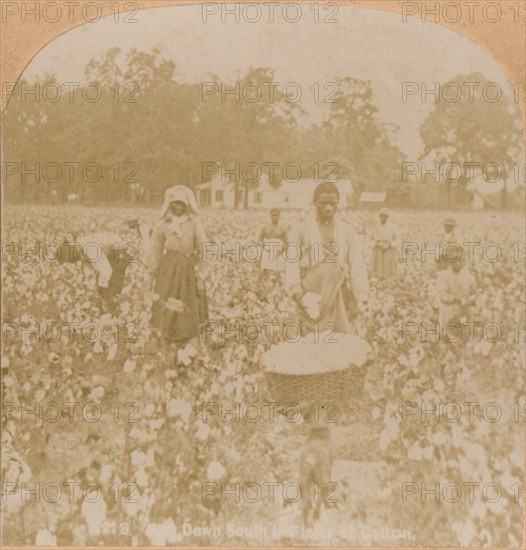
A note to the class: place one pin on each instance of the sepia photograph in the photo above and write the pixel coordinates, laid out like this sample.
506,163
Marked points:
263,274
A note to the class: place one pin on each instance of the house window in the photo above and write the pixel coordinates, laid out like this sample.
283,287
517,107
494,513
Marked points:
257,197
220,194
205,196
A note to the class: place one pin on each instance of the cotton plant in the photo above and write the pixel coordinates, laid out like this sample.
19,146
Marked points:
401,371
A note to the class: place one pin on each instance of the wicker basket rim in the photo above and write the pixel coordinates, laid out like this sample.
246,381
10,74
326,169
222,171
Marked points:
302,375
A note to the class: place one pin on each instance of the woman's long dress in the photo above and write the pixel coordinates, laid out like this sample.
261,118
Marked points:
181,305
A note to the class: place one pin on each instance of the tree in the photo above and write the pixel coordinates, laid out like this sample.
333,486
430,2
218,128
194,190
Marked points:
472,130
243,130
359,139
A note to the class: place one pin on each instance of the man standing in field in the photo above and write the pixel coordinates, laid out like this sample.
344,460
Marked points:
328,280
455,291
387,241
272,238
327,277
448,236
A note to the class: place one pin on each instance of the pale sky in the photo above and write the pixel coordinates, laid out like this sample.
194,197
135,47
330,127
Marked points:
365,44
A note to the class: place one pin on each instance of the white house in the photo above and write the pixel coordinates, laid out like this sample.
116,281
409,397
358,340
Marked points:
216,194
484,192
372,198
290,194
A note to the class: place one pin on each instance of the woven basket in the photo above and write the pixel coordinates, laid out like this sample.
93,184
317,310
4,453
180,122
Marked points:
337,386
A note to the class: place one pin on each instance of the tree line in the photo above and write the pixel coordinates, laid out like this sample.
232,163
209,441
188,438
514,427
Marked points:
137,129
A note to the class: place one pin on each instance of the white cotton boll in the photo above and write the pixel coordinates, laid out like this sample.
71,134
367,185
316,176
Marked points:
215,471
162,534
138,458
141,478
180,407
517,459
172,537
105,473
133,505
112,351
129,365
11,503
427,452
149,409
203,431
439,438
94,513
415,452
233,455
186,355
465,531
45,538
150,458
156,423
385,439
39,395
478,509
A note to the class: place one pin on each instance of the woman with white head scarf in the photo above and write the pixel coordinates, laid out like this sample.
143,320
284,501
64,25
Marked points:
174,251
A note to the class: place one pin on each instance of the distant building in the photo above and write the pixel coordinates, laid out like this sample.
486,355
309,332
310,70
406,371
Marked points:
297,194
489,194
73,197
215,194
372,199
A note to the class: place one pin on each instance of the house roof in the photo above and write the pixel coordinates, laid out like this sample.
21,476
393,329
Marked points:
344,186
303,185
368,196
